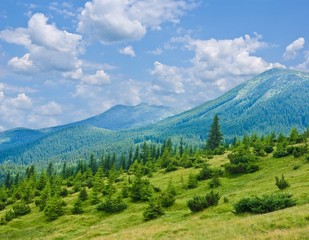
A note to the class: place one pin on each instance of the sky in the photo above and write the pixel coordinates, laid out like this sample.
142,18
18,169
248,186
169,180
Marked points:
63,61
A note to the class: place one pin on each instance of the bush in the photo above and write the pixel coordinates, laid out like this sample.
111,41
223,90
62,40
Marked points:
112,205
199,203
170,167
77,207
215,182
192,181
2,205
280,153
265,204
268,149
83,195
167,199
281,183
53,208
241,168
9,215
2,221
205,173
141,190
153,210
64,192
21,209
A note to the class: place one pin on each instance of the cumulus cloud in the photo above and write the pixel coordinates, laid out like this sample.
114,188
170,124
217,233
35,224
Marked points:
49,109
22,101
217,66
99,78
305,65
169,79
49,47
21,111
23,64
129,51
115,21
292,50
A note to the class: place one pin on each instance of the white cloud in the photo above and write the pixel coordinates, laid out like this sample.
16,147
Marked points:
20,111
99,78
169,79
23,64
22,101
50,49
292,50
75,75
129,51
49,109
305,65
217,66
115,21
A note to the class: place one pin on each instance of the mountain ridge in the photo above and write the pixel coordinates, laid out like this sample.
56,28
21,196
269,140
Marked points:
275,100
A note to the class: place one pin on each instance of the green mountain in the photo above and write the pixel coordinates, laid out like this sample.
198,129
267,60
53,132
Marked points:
122,117
275,100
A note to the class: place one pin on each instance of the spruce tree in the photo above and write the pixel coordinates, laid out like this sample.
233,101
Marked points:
215,136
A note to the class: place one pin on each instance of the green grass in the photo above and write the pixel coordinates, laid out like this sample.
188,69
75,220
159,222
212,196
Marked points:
218,222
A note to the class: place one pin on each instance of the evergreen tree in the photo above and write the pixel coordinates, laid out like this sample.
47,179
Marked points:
77,207
83,195
215,136
93,164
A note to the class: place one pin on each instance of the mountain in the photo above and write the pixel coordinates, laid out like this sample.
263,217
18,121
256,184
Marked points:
122,117
274,101
119,117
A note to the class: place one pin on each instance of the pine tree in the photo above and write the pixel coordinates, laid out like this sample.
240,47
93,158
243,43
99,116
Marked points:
83,195
215,136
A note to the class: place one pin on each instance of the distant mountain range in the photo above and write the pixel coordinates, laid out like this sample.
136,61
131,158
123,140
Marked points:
275,100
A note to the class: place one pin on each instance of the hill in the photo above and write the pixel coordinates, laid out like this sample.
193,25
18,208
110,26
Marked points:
121,117
274,101
178,222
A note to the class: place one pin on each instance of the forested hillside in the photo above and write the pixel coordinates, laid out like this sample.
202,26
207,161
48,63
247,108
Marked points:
170,189
274,101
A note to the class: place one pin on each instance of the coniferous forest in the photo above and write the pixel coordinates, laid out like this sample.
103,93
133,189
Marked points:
161,181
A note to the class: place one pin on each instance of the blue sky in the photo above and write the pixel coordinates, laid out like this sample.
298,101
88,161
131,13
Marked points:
62,61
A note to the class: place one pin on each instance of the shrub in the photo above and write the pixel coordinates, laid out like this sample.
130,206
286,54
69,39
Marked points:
9,215
153,210
83,195
170,167
167,199
281,183
192,181
64,192
141,190
2,205
53,208
264,204
215,182
279,153
2,221
21,209
77,207
199,203
112,205
205,173
268,149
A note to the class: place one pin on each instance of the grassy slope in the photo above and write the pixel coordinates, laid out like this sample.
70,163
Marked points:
179,223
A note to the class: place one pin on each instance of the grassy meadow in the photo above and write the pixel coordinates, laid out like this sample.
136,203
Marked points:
178,222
